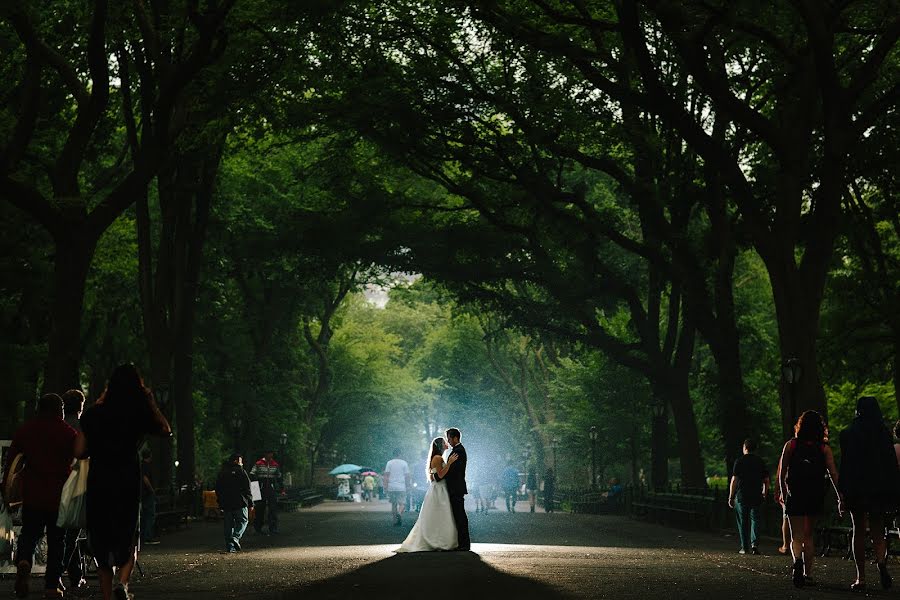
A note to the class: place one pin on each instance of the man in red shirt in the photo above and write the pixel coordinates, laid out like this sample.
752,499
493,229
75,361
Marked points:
49,445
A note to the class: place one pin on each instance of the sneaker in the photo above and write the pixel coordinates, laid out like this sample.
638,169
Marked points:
79,589
754,550
152,542
742,551
797,573
886,581
23,575
54,593
120,591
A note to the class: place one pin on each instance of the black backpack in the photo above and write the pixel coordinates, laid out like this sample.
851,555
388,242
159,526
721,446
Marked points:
807,467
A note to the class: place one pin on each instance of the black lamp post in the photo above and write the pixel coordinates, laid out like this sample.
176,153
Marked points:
283,449
791,371
334,457
554,444
236,423
593,435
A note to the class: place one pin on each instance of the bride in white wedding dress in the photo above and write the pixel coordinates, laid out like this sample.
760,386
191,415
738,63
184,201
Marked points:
435,528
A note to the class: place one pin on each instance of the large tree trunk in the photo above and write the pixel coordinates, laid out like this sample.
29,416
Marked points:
74,250
797,310
676,392
169,292
197,186
659,447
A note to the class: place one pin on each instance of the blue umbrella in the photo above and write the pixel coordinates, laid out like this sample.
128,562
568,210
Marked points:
345,469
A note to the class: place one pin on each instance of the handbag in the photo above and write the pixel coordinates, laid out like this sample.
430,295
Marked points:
6,533
12,491
73,500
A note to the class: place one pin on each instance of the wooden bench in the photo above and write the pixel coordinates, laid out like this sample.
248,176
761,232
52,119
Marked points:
295,499
168,514
587,504
830,533
310,498
685,510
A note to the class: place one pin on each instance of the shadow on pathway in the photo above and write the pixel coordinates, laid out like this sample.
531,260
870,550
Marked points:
427,574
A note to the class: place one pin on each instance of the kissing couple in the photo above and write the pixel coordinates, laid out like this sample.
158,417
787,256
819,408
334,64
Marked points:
442,522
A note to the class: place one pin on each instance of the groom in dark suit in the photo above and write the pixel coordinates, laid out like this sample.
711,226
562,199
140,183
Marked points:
456,488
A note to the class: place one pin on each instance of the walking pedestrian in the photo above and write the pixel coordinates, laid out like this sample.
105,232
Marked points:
48,446
870,484
267,472
233,495
747,491
73,406
509,482
806,459
549,491
148,501
785,546
531,487
114,428
396,482
369,487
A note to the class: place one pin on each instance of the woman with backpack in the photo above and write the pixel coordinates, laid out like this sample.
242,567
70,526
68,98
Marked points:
804,463
869,483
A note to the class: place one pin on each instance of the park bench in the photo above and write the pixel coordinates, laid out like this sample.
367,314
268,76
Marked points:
587,503
299,498
682,510
841,534
168,515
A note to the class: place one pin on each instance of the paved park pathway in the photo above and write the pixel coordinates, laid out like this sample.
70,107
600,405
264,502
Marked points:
342,550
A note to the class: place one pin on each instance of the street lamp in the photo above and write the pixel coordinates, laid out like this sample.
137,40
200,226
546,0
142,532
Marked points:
334,456
791,371
283,448
236,423
593,435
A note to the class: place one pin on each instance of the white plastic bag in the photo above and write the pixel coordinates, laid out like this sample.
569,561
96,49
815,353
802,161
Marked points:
73,501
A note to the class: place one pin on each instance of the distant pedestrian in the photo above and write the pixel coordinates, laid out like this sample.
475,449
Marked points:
509,483
235,500
870,484
148,501
114,428
369,488
549,491
267,472
48,446
785,546
396,482
531,487
897,441
747,491
73,406
805,460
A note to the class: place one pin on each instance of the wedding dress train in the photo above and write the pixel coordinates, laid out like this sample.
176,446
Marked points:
435,528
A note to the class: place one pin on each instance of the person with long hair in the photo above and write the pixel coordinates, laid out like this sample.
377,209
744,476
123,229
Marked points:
870,483
805,461
435,529
114,428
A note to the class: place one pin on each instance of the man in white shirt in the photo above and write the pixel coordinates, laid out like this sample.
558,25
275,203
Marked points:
396,482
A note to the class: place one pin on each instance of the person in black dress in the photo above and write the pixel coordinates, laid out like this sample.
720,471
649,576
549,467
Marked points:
456,488
114,428
869,483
